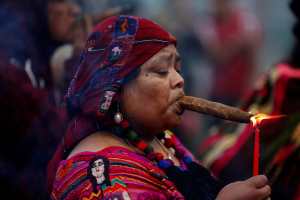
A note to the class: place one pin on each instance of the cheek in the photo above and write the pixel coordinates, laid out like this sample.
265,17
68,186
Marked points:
154,98
101,168
147,102
159,97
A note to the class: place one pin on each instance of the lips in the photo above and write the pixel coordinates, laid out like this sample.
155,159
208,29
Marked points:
178,97
177,107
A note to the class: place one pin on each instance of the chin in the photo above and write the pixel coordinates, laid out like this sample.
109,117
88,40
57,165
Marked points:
174,122
178,121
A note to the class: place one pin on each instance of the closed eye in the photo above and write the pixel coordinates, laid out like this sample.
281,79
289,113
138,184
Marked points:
162,72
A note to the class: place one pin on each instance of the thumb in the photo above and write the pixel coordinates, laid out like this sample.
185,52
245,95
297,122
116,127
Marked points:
264,192
258,181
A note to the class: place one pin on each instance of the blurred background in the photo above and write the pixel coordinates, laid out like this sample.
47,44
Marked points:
226,46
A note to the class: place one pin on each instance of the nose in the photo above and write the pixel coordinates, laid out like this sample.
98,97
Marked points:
177,80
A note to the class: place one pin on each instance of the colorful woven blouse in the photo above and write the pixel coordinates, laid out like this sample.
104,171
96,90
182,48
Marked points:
123,174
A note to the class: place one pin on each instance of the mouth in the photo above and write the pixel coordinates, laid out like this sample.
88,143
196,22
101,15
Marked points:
178,109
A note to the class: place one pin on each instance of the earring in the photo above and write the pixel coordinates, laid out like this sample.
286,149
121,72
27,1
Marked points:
118,117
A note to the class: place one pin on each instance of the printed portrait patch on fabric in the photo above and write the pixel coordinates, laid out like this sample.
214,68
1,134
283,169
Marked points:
98,173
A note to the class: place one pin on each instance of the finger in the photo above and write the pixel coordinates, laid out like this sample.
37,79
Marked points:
264,192
258,181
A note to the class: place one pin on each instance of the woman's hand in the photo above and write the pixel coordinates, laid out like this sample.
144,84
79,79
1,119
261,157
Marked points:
254,188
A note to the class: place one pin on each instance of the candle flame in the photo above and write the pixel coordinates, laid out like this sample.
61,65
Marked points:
258,118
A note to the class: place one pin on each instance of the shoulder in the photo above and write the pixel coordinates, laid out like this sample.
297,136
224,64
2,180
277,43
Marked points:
98,141
61,54
111,172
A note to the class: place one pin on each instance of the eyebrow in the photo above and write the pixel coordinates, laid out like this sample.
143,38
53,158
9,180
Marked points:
170,56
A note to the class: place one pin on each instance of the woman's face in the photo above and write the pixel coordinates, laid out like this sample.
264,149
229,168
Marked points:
98,168
61,16
150,102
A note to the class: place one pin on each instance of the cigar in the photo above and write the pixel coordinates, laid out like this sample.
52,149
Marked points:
215,109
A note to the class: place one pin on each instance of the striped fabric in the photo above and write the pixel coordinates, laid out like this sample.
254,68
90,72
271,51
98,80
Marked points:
132,176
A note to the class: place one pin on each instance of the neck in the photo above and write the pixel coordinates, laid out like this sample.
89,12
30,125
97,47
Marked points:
100,179
147,134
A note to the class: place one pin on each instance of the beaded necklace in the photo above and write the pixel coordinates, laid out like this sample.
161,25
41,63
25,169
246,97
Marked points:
168,142
194,183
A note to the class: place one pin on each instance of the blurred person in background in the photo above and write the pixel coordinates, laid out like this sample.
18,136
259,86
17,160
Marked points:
229,153
32,31
99,10
230,38
65,58
31,127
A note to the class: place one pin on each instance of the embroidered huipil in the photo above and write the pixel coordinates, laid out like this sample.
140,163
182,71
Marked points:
132,176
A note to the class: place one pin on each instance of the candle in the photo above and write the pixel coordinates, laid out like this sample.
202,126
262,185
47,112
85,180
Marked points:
257,121
256,151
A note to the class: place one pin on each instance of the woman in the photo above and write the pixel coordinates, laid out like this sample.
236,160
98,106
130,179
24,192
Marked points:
124,98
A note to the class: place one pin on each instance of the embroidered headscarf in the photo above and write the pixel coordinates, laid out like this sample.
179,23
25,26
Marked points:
116,48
